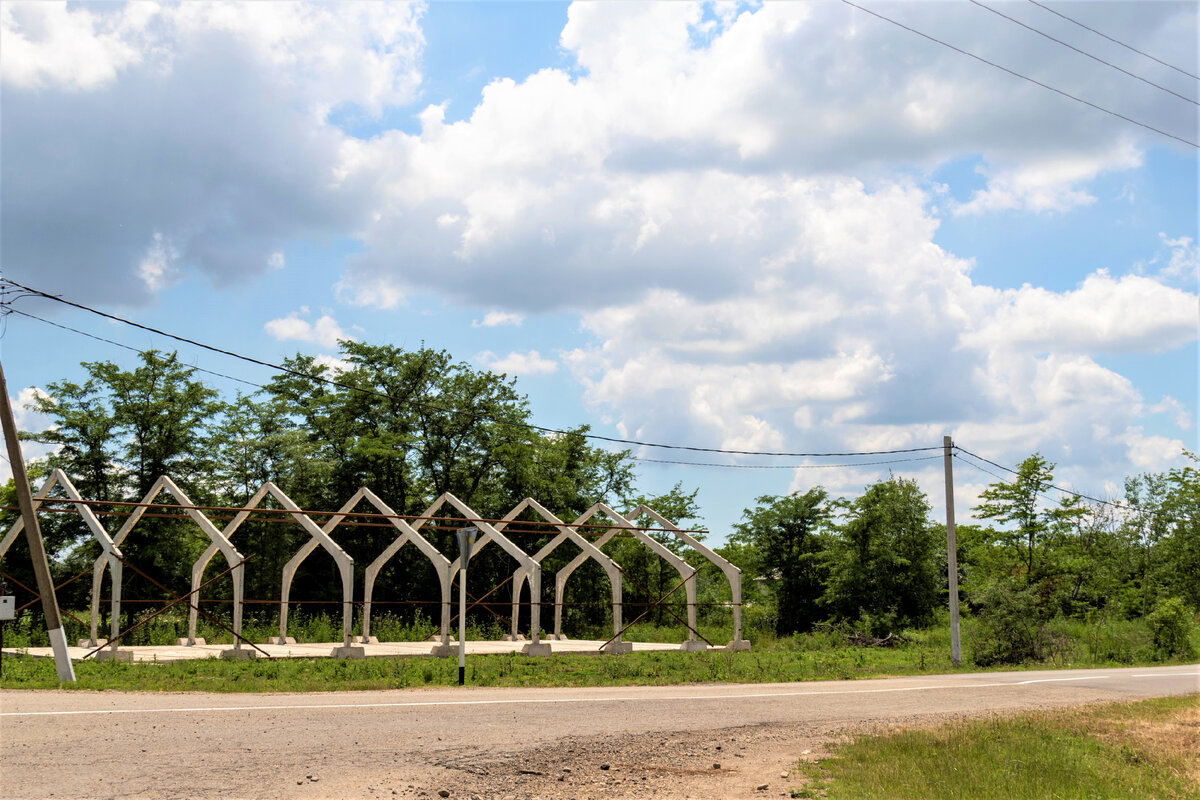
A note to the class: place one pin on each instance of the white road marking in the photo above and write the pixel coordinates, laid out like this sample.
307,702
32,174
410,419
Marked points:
558,700
1161,674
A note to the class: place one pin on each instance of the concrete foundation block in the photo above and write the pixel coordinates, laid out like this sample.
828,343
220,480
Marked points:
539,649
367,639
558,637
90,644
108,654
738,646
693,646
199,640
444,650
235,654
508,637
281,640
349,652
618,648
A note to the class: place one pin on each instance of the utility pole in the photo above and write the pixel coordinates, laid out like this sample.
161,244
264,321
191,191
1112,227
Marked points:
952,554
33,533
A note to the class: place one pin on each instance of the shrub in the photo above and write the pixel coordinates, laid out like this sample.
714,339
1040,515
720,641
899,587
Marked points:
1010,627
1171,626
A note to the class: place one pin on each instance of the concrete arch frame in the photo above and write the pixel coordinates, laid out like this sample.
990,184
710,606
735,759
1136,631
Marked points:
732,574
488,533
684,569
319,537
408,533
110,555
219,543
566,532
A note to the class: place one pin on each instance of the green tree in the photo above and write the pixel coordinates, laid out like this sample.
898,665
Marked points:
83,435
1018,505
789,535
884,561
1168,532
121,430
163,417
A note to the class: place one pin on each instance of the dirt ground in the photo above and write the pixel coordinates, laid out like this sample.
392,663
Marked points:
754,761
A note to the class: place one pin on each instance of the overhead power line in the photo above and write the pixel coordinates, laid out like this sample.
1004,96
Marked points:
789,466
126,346
1072,492
428,406
1114,41
1015,21
1023,77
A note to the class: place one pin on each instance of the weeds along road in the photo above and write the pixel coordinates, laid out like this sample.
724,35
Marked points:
703,741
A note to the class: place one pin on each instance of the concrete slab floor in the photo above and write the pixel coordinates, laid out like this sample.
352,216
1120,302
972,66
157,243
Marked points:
163,653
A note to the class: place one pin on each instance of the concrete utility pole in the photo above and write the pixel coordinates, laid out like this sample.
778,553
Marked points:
466,538
952,554
37,551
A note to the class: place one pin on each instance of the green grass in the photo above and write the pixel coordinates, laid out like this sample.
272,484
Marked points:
821,655
792,662
1143,750
314,674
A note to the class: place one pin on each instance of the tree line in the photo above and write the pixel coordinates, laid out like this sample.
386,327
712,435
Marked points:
411,425
879,562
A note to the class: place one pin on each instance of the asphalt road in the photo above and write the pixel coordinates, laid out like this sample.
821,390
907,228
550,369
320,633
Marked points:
494,742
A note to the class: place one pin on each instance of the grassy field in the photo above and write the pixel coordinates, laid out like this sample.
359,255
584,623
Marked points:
814,656
1132,750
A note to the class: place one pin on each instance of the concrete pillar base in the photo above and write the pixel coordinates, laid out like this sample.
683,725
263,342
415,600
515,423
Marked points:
508,637
108,654
367,639
281,640
539,649
618,648
738,646
348,651
558,637
235,654
199,640
91,644
693,646
444,650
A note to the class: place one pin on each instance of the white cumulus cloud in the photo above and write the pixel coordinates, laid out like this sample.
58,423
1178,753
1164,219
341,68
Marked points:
526,364
495,319
324,331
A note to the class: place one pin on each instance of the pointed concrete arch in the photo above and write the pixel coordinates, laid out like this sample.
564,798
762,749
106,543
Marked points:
732,574
110,551
218,542
319,538
488,533
408,533
684,569
566,532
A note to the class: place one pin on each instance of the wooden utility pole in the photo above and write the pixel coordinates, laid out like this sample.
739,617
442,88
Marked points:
33,533
952,554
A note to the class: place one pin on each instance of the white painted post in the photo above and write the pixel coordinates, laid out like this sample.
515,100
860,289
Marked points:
466,537
952,555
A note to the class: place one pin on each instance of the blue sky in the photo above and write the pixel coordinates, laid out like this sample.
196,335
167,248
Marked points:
778,227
